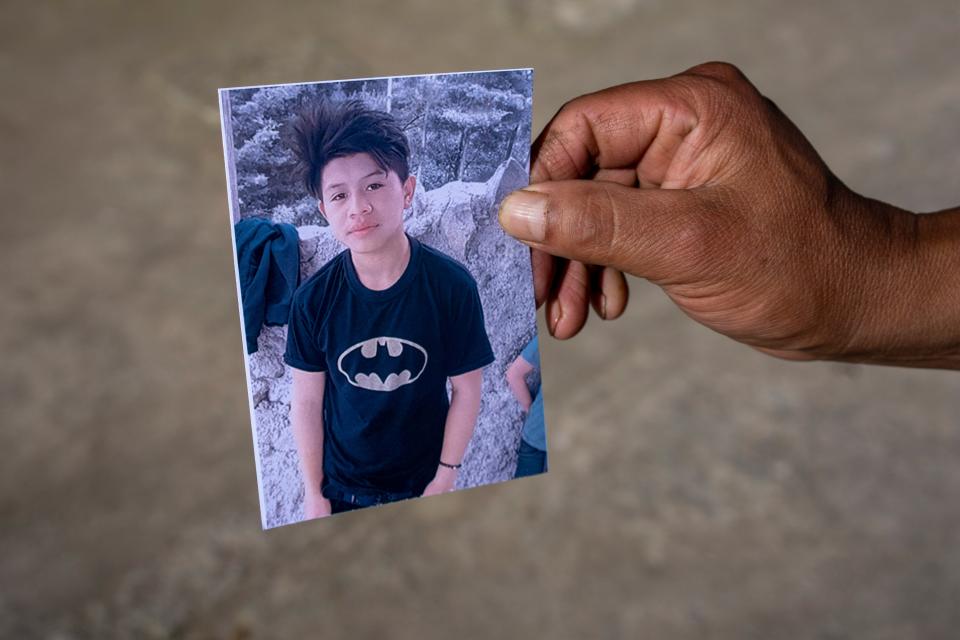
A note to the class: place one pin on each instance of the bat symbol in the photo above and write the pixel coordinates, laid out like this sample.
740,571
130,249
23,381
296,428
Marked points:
383,363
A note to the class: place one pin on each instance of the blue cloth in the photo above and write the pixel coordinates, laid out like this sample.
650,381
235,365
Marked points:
530,460
341,501
387,355
342,506
268,267
533,430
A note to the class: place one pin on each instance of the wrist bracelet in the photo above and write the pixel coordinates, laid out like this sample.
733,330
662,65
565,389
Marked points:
450,466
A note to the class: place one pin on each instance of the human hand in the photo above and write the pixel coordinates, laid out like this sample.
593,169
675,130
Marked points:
442,482
702,185
315,505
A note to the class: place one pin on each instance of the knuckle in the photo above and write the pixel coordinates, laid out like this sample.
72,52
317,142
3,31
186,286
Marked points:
724,71
570,117
558,152
693,238
567,108
730,110
554,155
592,224
708,239
576,287
718,85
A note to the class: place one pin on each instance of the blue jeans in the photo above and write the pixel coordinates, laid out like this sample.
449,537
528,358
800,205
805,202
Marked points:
342,500
530,460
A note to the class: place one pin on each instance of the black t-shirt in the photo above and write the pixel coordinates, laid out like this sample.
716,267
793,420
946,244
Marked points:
387,355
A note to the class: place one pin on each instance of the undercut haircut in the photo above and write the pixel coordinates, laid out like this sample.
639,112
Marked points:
324,131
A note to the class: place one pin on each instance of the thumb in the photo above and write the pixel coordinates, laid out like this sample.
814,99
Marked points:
659,234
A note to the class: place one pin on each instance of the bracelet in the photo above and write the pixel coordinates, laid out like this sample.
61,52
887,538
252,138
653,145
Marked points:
450,466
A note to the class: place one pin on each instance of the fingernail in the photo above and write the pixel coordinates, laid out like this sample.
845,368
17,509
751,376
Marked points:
556,319
523,215
603,306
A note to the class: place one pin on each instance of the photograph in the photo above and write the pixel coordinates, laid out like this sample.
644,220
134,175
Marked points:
389,323
261,270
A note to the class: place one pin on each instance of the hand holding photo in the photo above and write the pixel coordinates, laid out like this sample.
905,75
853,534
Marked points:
383,308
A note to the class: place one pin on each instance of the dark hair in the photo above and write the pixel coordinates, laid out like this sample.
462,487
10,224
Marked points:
324,131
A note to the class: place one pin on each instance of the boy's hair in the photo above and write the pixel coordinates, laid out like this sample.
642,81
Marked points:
324,131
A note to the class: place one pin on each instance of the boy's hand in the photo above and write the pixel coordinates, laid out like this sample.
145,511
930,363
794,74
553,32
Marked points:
315,505
702,185
442,482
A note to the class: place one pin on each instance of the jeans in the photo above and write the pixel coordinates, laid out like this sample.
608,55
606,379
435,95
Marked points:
342,500
530,460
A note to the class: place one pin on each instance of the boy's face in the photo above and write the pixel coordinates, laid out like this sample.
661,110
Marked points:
363,203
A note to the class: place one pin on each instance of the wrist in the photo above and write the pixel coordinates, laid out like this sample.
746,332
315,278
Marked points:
450,468
934,320
905,292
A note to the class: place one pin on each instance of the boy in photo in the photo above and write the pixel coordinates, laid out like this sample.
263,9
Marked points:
376,334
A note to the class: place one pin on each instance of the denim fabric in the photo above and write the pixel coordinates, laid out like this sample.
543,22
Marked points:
533,429
342,500
530,460
339,506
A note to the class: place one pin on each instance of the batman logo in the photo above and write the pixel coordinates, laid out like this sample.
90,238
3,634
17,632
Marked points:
382,363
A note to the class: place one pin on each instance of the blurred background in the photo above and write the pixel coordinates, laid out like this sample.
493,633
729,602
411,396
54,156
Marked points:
697,489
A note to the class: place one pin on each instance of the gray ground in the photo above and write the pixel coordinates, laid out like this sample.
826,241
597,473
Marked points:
699,490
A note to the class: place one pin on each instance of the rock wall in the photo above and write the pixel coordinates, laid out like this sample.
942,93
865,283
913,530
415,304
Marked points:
459,219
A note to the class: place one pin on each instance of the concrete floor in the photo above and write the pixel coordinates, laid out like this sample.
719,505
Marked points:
698,489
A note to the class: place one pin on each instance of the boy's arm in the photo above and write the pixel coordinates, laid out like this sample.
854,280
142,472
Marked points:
517,374
461,420
306,416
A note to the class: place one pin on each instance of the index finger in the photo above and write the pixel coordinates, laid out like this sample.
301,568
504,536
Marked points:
639,126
